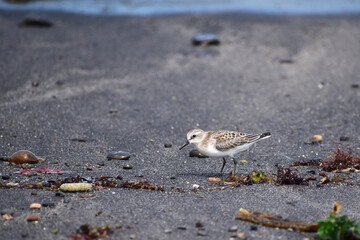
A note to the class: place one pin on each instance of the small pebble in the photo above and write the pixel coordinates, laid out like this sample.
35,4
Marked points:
168,231
253,228
127,167
33,217
35,205
140,174
355,85
205,39
317,138
48,204
196,153
59,194
23,156
119,177
201,233
132,236
199,225
167,145
35,84
181,228
233,229
118,155
286,60
172,177
113,111
344,139
36,21
5,177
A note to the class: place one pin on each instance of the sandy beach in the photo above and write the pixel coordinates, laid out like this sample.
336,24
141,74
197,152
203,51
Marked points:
89,85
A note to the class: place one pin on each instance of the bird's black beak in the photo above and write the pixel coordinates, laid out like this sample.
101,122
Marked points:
187,143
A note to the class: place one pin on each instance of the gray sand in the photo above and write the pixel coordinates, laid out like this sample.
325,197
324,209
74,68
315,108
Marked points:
60,83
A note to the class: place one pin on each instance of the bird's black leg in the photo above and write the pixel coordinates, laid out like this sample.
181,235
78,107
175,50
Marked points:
235,162
222,168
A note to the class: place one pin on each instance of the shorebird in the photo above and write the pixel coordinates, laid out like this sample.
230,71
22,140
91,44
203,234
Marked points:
222,143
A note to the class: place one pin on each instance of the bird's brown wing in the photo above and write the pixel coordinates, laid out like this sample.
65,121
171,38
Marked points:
226,140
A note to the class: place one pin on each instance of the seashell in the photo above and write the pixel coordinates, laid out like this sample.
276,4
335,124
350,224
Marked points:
75,187
23,156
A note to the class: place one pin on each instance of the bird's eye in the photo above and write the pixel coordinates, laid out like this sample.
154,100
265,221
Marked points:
194,136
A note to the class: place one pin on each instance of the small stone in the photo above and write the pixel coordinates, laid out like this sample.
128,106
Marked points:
355,85
205,39
48,204
33,193
172,177
111,111
36,21
233,229
118,155
33,217
140,174
168,231
132,236
196,153
181,228
199,225
59,194
35,84
286,60
317,138
119,177
35,206
201,233
5,177
253,228
344,138
167,145
127,167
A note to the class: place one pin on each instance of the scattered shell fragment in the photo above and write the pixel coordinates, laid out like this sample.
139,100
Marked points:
35,205
7,216
118,155
243,161
212,179
317,138
32,218
75,187
23,156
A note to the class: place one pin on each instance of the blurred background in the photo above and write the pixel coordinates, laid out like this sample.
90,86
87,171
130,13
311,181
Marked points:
153,7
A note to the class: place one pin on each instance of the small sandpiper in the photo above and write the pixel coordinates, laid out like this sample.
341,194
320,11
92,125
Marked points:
222,143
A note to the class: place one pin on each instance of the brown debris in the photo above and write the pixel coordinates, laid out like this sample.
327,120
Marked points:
335,179
288,176
310,162
341,161
145,185
275,221
86,232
